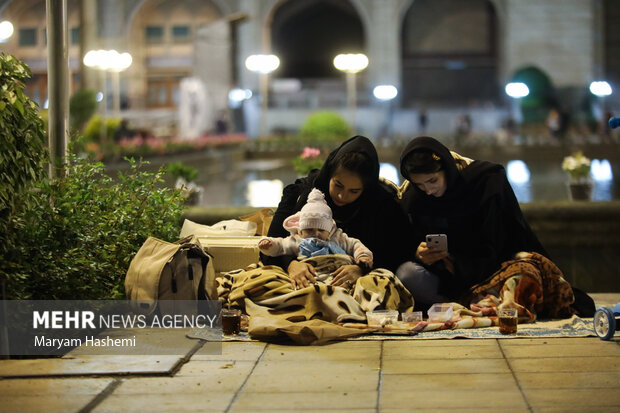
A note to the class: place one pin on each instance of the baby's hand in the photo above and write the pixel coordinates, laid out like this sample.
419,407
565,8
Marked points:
264,244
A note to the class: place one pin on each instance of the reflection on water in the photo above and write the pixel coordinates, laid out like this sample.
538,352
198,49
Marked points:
264,192
260,182
519,177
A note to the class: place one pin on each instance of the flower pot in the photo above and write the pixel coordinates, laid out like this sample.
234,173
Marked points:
580,191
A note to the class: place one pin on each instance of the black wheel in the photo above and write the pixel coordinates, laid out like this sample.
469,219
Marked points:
604,323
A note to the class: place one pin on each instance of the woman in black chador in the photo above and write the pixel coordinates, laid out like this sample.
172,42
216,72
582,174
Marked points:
473,204
363,207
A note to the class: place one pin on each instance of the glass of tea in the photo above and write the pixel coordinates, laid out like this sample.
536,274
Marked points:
231,321
508,318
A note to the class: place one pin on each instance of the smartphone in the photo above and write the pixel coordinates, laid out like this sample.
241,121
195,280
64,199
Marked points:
437,241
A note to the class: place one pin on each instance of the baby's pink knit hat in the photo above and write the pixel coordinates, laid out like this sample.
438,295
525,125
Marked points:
316,213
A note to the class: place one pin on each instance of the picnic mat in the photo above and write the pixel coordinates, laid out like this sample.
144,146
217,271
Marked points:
571,327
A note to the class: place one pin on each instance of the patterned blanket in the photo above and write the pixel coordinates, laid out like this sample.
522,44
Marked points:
321,312
266,295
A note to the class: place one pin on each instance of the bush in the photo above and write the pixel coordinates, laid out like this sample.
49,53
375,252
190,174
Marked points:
75,236
180,170
82,106
92,130
22,146
325,127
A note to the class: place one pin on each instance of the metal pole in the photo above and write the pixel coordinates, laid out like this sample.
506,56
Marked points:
264,96
116,79
104,107
351,97
57,83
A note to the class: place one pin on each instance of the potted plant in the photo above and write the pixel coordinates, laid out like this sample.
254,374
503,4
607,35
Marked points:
185,176
309,159
578,168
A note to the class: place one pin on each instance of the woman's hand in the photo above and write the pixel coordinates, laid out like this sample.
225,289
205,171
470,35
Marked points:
346,276
428,255
301,274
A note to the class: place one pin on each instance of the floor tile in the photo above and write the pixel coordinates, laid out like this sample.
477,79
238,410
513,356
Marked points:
46,386
443,352
452,399
91,365
181,385
570,380
301,367
440,382
215,368
566,364
456,366
208,401
231,350
325,380
293,401
564,341
280,353
556,350
575,409
575,398
44,403
460,409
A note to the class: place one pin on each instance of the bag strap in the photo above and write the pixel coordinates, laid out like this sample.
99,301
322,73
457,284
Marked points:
144,273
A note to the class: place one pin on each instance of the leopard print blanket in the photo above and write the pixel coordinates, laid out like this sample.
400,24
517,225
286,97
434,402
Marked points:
269,290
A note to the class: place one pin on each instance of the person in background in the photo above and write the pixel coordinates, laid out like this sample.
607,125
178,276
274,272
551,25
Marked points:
123,131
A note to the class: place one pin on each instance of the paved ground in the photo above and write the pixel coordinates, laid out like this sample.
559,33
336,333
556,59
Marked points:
518,375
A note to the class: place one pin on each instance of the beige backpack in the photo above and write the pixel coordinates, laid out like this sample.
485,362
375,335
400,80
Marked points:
169,271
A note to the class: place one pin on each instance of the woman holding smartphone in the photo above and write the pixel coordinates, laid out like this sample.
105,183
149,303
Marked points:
465,204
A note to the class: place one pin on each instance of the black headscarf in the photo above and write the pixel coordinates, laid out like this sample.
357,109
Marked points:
347,213
461,185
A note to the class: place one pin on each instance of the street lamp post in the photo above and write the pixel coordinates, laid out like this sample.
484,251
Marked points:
114,62
517,90
263,64
351,64
386,93
601,89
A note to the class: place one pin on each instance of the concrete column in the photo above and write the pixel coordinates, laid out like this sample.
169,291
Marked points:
383,37
112,22
88,41
249,41
57,83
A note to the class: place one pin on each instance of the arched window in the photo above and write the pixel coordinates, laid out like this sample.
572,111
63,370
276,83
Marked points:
308,34
449,53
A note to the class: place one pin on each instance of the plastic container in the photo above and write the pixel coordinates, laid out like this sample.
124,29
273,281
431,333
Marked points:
413,317
380,318
440,312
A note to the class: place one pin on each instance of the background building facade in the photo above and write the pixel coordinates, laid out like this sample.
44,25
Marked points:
443,56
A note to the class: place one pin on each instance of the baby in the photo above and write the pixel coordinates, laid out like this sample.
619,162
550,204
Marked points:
313,233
